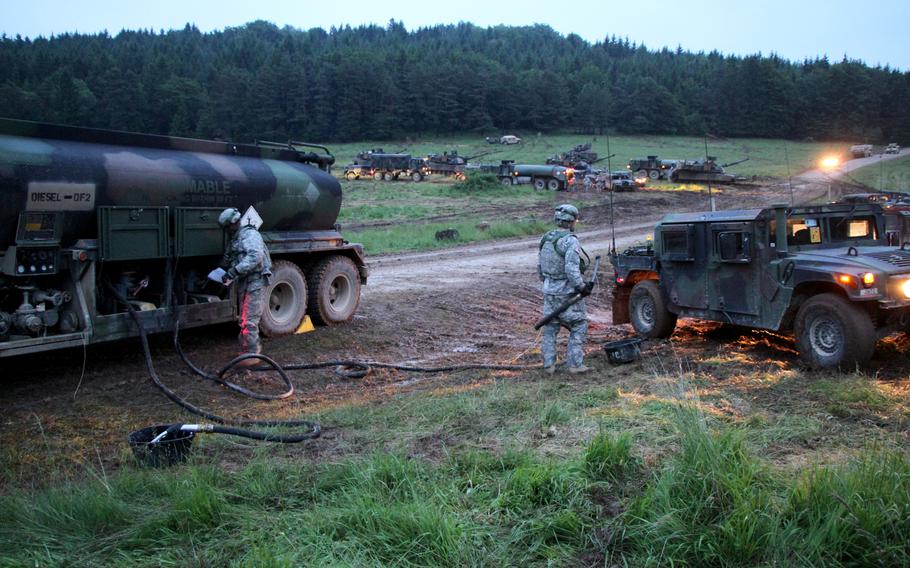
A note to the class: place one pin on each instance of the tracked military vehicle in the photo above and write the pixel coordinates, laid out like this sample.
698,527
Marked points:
580,157
704,171
825,272
82,210
449,164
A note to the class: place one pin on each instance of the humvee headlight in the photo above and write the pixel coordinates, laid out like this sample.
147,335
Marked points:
905,288
868,279
846,280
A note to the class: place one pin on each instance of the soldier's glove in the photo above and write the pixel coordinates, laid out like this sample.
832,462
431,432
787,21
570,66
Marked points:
585,289
226,278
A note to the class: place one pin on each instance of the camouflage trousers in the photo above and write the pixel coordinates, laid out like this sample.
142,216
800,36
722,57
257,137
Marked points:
575,319
251,305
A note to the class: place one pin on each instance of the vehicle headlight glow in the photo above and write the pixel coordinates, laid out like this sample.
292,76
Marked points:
905,288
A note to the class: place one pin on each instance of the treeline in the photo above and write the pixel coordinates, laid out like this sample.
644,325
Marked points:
261,81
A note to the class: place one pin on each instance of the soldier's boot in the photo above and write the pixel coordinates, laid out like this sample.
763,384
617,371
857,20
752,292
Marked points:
252,361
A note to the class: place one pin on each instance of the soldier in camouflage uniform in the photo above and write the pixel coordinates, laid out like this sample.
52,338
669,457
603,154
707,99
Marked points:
247,262
560,267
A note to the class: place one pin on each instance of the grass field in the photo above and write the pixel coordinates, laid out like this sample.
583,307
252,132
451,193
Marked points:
893,175
635,469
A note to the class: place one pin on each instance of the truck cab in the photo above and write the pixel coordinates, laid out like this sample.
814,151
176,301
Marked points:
825,272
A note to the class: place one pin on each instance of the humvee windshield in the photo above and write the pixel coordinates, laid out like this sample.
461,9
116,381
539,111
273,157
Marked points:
814,230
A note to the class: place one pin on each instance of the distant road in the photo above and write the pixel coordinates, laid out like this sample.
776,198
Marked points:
820,176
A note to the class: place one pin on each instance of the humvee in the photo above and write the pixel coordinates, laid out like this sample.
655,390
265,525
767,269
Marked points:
824,272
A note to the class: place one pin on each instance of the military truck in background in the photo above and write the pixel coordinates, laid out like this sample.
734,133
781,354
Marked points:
83,211
893,148
825,272
861,150
651,167
554,178
580,157
381,166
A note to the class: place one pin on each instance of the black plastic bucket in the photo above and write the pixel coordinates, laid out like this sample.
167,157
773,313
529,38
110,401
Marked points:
172,449
623,351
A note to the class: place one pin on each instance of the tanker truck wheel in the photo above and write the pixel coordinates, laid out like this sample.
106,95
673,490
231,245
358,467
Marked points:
377,176
416,176
334,285
350,176
286,299
554,185
506,182
654,175
540,183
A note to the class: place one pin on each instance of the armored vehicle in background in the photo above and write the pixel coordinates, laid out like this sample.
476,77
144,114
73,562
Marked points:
825,272
381,166
85,210
449,164
861,150
651,167
703,171
580,158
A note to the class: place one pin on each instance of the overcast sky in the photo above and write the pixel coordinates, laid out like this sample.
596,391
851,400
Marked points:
875,31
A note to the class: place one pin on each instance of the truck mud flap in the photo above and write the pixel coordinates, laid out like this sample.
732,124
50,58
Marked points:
621,304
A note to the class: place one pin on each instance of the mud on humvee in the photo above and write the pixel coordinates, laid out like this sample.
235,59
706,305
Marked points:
826,272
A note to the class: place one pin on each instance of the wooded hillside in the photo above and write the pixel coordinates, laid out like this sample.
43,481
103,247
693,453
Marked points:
261,81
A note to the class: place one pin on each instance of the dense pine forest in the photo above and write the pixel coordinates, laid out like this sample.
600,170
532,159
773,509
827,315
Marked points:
261,81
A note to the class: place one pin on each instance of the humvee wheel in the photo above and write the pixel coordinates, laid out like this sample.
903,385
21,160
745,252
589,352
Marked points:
648,312
831,331
654,175
286,299
416,176
334,285
377,176
540,183
554,185
506,181
350,176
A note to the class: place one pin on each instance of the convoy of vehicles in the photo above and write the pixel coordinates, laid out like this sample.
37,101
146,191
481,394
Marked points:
84,211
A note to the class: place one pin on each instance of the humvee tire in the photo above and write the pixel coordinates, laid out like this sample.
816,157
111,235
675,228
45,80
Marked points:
334,285
648,312
285,300
831,332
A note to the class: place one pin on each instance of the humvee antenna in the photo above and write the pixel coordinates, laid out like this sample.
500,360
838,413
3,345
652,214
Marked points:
610,177
789,176
710,198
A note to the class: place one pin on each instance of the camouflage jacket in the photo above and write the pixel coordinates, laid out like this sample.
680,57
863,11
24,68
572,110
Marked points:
247,258
559,262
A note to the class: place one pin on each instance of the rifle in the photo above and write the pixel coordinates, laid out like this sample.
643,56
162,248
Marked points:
573,299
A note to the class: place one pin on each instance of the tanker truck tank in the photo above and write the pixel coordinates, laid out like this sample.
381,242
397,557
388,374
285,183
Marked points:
81,208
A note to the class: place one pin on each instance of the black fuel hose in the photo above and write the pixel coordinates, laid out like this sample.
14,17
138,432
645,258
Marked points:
229,426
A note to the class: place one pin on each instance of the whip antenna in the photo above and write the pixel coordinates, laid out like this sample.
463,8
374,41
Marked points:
708,177
789,176
610,177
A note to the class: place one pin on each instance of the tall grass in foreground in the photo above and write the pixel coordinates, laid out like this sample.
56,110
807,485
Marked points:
710,503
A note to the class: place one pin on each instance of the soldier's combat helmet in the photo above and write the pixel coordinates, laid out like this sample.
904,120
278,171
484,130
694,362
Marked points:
228,217
566,213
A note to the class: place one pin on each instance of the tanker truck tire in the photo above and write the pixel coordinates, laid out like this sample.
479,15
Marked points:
540,184
554,185
286,300
377,176
334,285
654,175
416,176
350,176
506,182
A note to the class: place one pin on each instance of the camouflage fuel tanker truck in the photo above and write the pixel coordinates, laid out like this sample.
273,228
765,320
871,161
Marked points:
84,210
